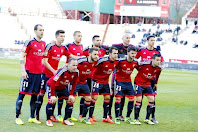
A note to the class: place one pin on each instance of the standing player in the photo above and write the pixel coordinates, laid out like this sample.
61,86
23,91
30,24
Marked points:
57,86
97,44
123,85
31,73
122,51
147,71
146,54
52,56
101,53
85,67
76,48
104,68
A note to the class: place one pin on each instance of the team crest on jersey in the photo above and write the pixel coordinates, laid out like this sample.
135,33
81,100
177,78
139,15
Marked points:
65,76
54,50
155,71
72,76
58,55
74,49
85,65
106,66
114,65
43,45
147,69
144,53
39,50
133,65
35,45
124,65
128,69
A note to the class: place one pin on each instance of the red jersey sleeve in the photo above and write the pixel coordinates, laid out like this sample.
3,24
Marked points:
86,52
138,54
26,46
157,75
75,80
47,51
67,53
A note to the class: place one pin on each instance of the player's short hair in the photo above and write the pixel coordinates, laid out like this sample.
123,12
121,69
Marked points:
36,26
131,48
59,31
111,49
95,36
93,49
156,55
76,33
70,59
151,36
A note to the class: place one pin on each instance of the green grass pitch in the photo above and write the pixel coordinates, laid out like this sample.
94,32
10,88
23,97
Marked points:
177,105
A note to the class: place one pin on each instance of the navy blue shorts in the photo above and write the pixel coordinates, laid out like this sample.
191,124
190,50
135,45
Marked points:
102,89
31,85
82,90
139,90
123,88
44,80
61,94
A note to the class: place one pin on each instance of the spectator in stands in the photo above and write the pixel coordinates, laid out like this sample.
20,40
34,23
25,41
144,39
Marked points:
195,45
177,30
196,28
186,23
10,10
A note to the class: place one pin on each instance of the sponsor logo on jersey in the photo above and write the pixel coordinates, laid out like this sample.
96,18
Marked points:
109,71
66,82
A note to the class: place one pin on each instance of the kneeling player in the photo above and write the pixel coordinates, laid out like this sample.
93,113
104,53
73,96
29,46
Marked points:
123,85
57,86
85,67
146,72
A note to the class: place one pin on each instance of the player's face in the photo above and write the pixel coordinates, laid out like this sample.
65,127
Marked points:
132,54
97,41
114,54
60,38
39,32
94,55
156,61
126,39
151,41
72,66
78,37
